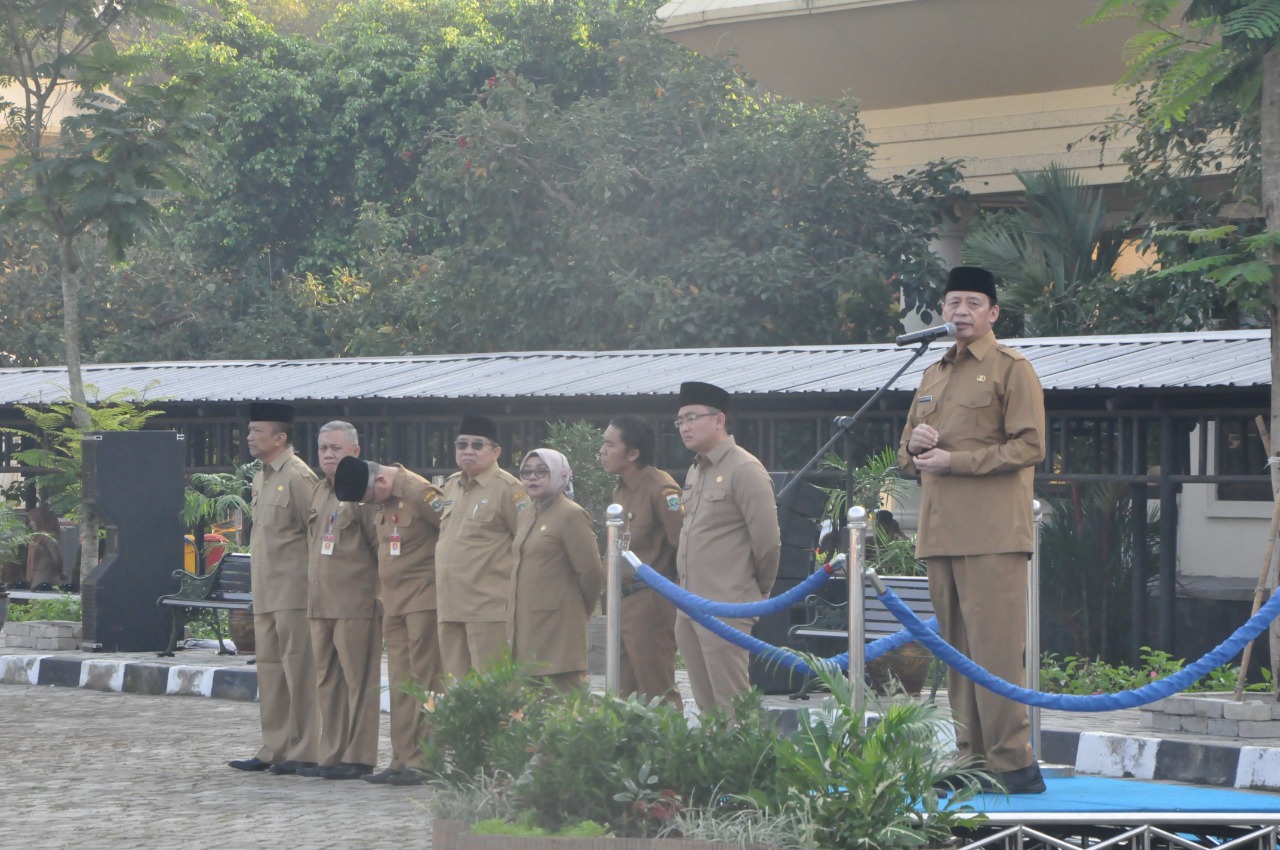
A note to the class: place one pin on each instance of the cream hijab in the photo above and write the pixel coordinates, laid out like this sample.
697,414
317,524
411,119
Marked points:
561,474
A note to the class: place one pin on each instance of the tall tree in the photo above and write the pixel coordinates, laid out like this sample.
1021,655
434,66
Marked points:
102,165
1226,52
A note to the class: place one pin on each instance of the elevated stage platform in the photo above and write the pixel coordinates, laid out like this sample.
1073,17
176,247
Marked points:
1098,812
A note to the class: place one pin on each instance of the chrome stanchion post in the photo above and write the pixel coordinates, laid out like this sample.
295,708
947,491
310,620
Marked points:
613,600
857,644
1033,625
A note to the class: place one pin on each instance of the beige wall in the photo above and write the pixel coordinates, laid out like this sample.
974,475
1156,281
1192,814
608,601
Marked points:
996,136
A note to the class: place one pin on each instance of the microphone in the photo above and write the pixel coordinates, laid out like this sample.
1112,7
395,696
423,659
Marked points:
927,335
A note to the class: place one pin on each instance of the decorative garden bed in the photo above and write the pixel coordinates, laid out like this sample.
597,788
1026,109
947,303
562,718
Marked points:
452,835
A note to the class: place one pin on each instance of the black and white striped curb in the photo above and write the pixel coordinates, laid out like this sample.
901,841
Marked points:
1095,753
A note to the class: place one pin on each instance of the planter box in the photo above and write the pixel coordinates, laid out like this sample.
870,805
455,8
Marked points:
451,835
1215,715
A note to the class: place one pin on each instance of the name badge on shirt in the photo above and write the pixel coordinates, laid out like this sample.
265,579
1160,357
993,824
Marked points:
925,399
394,544
326,544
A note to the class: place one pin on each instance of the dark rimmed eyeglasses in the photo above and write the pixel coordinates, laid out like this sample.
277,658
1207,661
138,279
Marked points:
690,418
474,445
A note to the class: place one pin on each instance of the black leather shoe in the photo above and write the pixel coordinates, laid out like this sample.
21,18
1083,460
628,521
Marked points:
409,776
1027,780
312,770
346,770
253,765
381,777
290,767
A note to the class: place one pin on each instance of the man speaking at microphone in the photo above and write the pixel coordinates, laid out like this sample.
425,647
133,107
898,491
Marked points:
975,433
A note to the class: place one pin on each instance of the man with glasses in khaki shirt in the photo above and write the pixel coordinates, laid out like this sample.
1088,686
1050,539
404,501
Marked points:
729,544
473,557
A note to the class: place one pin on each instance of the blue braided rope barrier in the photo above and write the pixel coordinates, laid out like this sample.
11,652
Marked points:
685,601
705,612
1168,686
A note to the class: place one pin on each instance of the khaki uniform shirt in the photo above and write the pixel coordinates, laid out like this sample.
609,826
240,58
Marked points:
473,557
408,579
652,516
278,544
730,543
344,585
555,584
988,408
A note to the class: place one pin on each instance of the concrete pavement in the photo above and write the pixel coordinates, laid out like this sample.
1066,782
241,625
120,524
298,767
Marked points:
1115,743
81,768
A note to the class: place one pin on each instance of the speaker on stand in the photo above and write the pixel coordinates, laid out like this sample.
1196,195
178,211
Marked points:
798,516
133,482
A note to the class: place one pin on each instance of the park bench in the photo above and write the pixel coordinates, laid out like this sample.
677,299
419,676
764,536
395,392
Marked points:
826,623
204,598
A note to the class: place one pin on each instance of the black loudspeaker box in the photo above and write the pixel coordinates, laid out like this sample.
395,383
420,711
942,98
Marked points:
133,481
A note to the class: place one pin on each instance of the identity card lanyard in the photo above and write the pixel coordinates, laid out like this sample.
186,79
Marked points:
326,545
394,539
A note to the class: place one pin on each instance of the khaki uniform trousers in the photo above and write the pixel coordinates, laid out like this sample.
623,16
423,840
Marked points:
981,605
413,656
648,647
469,646
349,681
286,686
717,669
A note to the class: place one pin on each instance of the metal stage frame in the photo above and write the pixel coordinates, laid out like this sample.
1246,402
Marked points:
1123,831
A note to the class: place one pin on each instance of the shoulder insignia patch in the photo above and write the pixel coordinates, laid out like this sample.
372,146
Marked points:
521,499
435,503
673,501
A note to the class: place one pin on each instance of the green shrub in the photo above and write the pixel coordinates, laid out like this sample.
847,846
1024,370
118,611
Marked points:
65,607
873,789
1083,676
473,721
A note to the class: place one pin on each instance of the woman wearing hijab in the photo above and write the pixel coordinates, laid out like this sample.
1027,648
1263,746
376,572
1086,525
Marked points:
557,577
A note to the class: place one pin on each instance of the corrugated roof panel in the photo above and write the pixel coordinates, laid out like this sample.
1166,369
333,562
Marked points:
1140,361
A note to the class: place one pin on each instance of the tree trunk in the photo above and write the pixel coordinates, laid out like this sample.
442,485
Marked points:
75,387
1270,142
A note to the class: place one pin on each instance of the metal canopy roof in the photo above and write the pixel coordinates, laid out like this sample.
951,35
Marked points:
1133,362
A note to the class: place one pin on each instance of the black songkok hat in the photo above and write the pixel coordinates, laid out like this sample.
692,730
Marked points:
480,426
271,411
696,392
972,279
351,480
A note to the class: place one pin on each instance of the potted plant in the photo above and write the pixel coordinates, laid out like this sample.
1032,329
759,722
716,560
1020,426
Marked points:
890,552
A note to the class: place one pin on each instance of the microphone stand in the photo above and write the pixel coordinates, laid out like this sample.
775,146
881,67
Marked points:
846,423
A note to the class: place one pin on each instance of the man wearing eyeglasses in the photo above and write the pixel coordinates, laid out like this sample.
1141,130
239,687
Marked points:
473,556
729,544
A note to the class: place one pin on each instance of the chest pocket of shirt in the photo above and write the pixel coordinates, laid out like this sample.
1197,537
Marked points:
924,409
981,398
346,515
271,497
481,514
715,498
397,518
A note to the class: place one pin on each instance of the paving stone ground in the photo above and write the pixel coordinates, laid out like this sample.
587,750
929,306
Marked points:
94,769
